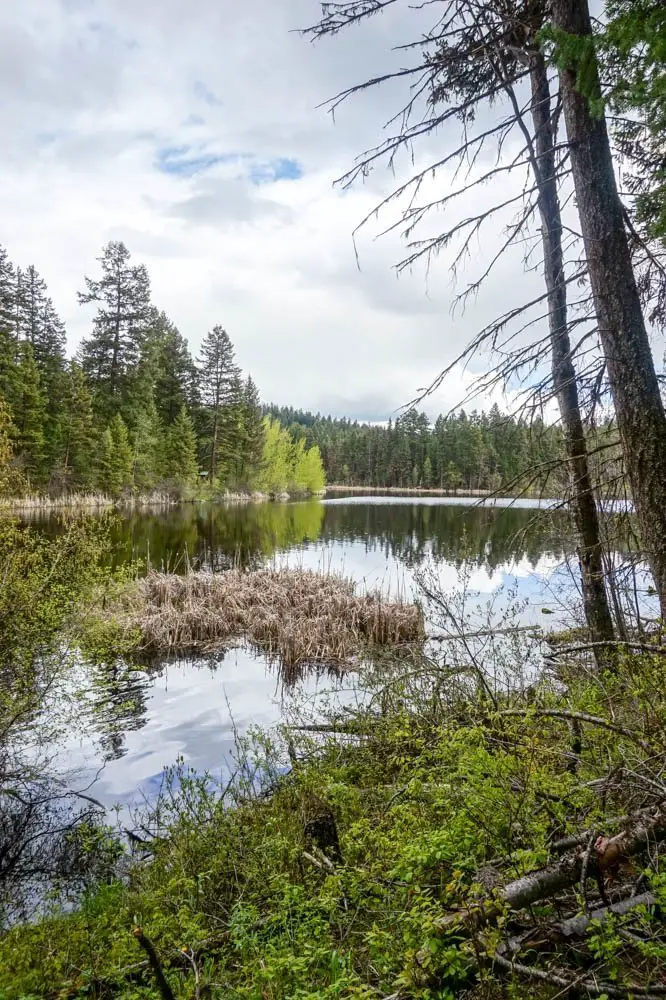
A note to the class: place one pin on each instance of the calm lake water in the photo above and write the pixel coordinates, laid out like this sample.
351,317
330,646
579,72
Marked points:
132,723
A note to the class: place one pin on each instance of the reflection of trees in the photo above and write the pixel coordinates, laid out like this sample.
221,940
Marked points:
483,536
118,705
217,536
220,536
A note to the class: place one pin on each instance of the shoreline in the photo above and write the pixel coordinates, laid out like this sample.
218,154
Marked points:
94,501
423,491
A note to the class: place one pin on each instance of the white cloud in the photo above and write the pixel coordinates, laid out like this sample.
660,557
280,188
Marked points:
105,98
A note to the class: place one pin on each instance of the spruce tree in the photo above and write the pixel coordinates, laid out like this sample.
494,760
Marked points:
173,365
116,459
8,346
77,434
10,484
218,376
147,437
29,415
252,433
7,291
181,466
114,347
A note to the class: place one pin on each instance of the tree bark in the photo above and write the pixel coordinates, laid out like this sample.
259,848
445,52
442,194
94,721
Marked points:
586,518
622,331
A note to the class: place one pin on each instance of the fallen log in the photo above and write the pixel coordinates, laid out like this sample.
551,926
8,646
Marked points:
646,826
592,987
545,936
577,926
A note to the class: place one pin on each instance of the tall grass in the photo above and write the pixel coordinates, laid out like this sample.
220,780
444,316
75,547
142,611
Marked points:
295,616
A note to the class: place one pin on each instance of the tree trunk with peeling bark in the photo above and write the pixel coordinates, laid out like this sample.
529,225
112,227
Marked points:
624,339
586,517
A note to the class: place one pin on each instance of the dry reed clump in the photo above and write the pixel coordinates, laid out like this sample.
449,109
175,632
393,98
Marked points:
297,617
71,501
39,501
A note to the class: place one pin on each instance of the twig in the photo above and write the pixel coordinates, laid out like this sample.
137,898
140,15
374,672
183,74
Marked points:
596,989
593,720
324,863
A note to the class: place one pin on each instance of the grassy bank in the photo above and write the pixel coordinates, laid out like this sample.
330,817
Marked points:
296,617
437,846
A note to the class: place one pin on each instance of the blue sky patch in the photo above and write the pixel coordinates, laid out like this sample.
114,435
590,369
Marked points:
206,95
186,161
281,169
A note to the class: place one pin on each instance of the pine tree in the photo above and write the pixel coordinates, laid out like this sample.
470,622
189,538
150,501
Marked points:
114,347
218,375
181,465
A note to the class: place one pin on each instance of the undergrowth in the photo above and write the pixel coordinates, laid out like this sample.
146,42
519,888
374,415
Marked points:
370,863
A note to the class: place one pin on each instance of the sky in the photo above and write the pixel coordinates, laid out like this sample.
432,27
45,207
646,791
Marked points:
194,131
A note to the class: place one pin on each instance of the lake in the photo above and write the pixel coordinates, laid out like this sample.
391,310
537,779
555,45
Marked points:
132,723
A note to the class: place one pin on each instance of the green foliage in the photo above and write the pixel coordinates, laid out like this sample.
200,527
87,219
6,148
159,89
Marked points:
476,451
421,803
289,465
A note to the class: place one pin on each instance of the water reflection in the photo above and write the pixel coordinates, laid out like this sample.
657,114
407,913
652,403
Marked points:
217,537
137,722
118,701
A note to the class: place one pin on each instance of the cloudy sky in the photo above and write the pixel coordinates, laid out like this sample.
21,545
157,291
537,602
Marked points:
191,129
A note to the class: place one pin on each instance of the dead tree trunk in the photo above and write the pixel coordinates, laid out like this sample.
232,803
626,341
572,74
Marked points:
586,517
623,334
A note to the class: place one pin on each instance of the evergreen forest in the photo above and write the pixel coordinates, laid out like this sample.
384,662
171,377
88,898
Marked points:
133,412
476,451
